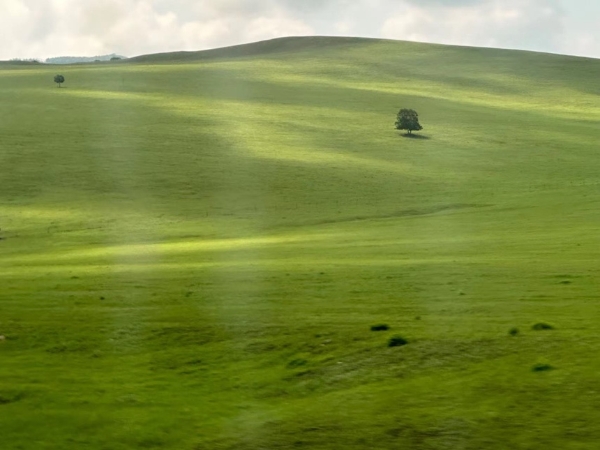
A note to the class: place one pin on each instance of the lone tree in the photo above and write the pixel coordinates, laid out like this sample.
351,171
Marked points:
59,79
408,119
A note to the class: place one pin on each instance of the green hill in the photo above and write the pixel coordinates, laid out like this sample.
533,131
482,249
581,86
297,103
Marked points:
277,47
196,245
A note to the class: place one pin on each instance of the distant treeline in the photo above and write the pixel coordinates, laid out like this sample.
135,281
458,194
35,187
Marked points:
24,61
82,59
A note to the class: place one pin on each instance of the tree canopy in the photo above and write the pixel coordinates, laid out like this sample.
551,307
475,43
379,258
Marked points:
408,120
59,79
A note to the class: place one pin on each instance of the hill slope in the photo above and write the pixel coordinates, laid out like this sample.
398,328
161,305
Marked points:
194,251
278,47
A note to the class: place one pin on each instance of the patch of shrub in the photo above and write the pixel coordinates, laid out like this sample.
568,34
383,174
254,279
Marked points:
542,367
397,341
380,327
513,331
542,326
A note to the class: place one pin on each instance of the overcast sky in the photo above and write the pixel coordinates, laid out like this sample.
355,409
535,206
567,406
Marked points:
46,28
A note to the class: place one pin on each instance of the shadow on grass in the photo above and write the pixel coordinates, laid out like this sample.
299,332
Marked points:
414,136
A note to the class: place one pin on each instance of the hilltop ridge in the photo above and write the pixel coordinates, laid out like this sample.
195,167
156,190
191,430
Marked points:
298,44
270,46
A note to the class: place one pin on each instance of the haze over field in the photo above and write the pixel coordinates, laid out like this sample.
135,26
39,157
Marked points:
45,28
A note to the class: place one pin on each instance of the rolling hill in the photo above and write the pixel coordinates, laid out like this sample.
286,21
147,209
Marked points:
196,245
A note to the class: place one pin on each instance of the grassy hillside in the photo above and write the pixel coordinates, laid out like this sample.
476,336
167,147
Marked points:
194,248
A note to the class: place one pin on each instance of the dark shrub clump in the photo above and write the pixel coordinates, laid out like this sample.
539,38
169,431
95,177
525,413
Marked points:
542,326
513,331
397,341
380,327
542,367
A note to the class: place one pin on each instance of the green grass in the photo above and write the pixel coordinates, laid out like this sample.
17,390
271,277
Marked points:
195,247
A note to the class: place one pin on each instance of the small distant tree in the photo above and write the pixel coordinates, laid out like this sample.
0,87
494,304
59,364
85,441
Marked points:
115,58
408,120
59,79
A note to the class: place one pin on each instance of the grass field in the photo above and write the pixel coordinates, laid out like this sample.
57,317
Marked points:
195,246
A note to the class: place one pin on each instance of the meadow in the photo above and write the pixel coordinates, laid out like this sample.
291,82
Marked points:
194,247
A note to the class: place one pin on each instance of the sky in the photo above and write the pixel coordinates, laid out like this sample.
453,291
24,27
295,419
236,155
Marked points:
47,28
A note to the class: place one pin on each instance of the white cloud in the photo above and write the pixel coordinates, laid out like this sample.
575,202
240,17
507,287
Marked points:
279,25
530,24
43,28
582,44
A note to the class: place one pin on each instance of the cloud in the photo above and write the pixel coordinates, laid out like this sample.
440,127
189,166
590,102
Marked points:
458,3
583,43
42,28
530,24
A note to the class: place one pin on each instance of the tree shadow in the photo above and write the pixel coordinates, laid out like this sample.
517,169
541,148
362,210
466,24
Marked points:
414,136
